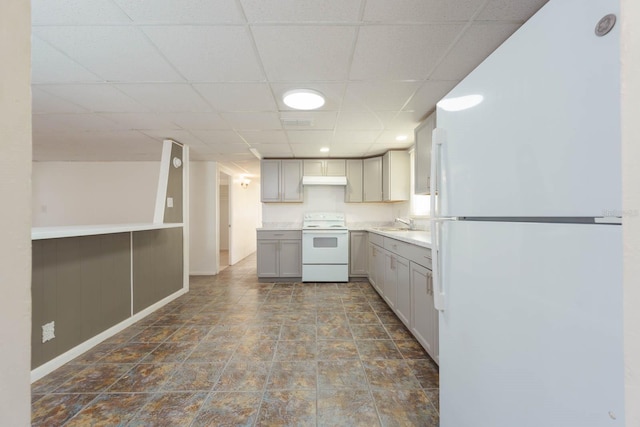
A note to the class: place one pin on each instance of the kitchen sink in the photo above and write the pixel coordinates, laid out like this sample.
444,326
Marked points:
391,229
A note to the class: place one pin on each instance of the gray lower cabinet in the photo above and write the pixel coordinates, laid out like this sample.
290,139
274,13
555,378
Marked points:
279,254
424,316
358,253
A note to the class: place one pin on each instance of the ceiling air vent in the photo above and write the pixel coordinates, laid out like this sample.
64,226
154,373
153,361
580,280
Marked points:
297,123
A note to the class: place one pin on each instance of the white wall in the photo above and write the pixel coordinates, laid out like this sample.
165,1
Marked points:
79,193
203,224
246,211
331,199
631,203
15,227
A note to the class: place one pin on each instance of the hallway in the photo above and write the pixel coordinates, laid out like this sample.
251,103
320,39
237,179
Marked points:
234,351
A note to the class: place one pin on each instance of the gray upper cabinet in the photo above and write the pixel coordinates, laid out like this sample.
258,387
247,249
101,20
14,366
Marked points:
422,155
281,181
372,175
324,167
353,192
395,176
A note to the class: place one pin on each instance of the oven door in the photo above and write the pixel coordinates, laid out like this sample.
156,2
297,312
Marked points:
325,247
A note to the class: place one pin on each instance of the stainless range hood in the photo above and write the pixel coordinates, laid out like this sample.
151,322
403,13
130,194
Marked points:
324,180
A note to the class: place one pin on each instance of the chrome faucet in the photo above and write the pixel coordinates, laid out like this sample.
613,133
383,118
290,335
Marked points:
408,223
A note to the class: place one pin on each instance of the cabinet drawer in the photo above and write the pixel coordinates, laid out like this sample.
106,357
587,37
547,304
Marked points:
279,235
376,239
415,253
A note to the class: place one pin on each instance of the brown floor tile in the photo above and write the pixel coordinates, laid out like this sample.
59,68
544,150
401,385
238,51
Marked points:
109,410
298,332
411,349
390,374
94,379
296,350
257,350
341,374
369,332
226,333
169,410
189,334
378,349
433,394
363,317
426,371
56,409
213,351
334,332
332,318
173,352
337,350
96,353
398,331
154,334
55,379
405,408
129,353
263,332
292,375
194,376
143,378
229,409
244,376
346,408
288,408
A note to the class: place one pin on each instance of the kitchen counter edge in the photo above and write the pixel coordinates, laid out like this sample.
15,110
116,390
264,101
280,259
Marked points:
40,233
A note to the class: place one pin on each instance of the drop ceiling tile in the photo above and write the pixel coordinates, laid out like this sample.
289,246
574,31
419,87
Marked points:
510,10
425,99
386,52
273,150
252,121
399,120
242,149
237,96
332,92
378,96
319,120
95,97
179,135
104,50
138,121
305,53
234,157
199,121
50,65
166,97
218,137
358,120
475,45
377,149
43,102
182,12
81,12
208,53
317,137
301,10
71,122
262,137
343,138
388,138
309,150
349,150
420,10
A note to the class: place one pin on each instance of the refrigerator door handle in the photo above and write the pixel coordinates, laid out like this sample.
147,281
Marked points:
438,138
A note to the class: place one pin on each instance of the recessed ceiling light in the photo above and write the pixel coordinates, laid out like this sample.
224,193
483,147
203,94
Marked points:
303,99
401,138
324,150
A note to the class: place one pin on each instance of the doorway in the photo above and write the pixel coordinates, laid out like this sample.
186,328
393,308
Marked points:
224,225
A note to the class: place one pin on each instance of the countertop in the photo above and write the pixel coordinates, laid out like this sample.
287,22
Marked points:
39,233
415,237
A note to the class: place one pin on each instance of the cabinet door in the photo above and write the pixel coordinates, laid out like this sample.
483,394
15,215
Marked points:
395,176
422,156
353,193
268,259
270,180
424,316
290,258
313,167
335,167
380,267
390,279
372,171
358,253
292,181
403,291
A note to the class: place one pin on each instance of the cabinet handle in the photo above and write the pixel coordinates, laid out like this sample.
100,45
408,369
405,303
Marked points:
394,246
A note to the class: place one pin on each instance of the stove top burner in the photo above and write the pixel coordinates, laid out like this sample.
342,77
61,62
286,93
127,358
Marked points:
324,221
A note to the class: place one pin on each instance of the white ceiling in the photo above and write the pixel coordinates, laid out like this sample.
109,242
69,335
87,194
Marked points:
113,78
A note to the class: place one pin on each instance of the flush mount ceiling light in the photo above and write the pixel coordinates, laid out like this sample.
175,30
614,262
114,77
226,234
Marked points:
324,150
303,99
401,138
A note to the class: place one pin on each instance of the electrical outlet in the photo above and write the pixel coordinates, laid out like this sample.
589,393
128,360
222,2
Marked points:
48,331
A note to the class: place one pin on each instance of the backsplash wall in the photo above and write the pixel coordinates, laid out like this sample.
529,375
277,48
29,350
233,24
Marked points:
331,199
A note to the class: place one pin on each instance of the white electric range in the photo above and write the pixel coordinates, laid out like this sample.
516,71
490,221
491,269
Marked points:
325,247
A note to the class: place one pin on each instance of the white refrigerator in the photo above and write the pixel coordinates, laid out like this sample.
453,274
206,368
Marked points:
527,257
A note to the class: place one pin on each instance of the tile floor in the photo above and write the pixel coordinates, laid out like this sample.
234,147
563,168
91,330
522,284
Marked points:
236,352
